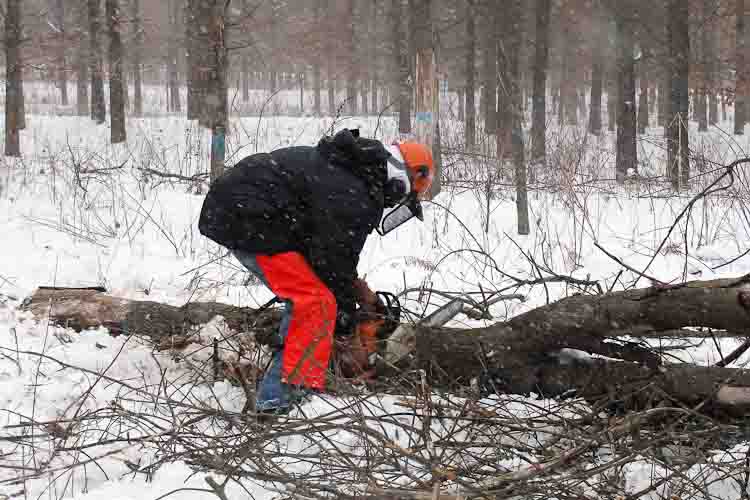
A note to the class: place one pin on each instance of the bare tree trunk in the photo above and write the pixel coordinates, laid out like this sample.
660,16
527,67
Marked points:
627,157
351,82
513,98
677,137
319,57
137,49
741,72
193,60
82,65
217,106
331,93
541,61
426,98
401,87
504,118
98,107
568,97
701,105
245,62
643,108
116,98
471,65
174,54
489,67
712,56
595,105
13,79
301,82
62,73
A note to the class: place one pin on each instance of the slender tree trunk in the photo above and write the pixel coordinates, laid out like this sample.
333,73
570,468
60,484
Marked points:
245,62
461,101
319,57
701,103
402,88
627,157
612,99
471,65
514,44
331,93
643,95
174,54
504,118
711,52
664,83
541,57
191,34
426,98
13,78
216,106
116,98
742,77
62,74
82,64
595,105
489,68
351,82
677,137
301,81
137,58
569,71
98,107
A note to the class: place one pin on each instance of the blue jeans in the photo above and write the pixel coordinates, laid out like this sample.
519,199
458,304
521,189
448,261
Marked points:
273,394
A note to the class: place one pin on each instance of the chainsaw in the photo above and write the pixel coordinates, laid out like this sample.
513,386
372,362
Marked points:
380,340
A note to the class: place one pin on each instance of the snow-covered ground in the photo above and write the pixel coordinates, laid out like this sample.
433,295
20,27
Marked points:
76,211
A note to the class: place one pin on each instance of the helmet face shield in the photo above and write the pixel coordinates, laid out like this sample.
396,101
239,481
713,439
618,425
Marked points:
408,209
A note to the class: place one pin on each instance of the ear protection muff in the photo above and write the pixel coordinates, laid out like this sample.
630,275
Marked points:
393,192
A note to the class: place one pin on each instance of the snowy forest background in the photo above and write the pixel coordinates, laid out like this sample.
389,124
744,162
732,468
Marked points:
590,216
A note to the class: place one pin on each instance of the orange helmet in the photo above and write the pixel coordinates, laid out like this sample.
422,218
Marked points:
419,165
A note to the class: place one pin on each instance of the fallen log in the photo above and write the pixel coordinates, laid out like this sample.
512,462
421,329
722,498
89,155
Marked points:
516,356
86,308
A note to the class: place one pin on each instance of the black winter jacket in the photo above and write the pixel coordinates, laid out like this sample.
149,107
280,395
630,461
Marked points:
320,201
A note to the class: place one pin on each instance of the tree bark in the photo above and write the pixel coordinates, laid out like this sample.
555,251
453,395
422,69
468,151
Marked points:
13,79
514,94
568,94
741,70
627,153
351,81
173,57
426,93
193,60
245,62
62,73
216,105
116,91
137,49
503,118
402,87
539,105
643,104
712,56
677,137
98,107
522,355
82,66
471,64
489,67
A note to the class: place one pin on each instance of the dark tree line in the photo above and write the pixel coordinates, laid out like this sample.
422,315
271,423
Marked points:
650,63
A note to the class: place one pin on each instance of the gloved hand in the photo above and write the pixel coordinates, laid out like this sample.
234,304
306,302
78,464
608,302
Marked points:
367,299
351,357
